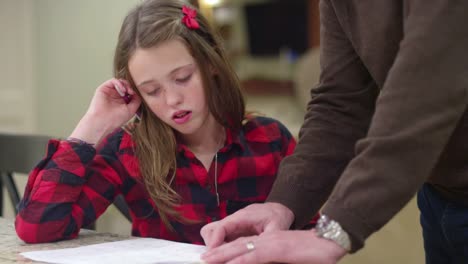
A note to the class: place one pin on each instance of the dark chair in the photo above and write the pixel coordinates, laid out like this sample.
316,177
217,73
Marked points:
19,154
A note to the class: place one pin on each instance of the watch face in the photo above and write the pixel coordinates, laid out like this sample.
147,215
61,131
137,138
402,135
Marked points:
323,221
329,229
322,225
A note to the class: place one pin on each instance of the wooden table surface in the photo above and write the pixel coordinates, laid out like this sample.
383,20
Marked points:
11,246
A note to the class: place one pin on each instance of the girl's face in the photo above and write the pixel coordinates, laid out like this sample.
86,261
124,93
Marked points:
170,82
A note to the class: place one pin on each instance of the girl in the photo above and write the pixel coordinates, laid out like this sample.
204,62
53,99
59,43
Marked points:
194,156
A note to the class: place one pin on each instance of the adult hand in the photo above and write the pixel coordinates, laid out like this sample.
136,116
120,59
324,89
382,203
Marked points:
277,247
107,111
252,220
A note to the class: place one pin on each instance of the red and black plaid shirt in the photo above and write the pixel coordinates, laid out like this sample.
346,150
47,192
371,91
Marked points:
74,184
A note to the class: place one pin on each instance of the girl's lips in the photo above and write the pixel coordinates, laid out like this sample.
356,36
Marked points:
182,117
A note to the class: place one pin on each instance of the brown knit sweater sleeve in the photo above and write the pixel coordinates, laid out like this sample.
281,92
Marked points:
338,115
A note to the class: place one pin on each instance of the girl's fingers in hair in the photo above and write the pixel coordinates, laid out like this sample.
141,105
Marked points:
127,86
135,102
118,87
111,88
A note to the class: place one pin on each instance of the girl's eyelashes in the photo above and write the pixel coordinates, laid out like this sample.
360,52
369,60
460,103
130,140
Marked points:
184,79
154,91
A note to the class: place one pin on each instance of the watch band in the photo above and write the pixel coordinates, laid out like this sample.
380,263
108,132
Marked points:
332,230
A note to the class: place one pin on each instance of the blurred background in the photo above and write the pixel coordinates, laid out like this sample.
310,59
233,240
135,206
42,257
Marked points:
56,52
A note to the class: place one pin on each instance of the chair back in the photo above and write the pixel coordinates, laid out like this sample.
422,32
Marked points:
21,153
18,154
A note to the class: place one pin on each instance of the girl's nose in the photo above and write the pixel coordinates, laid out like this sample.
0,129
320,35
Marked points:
173,97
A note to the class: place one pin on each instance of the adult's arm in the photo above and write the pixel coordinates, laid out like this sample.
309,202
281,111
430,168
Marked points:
421,103
338,114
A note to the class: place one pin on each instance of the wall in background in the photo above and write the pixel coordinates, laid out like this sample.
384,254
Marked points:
74,52
230,16
17,85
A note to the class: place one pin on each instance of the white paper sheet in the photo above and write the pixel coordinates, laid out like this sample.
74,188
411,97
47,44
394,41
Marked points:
139,251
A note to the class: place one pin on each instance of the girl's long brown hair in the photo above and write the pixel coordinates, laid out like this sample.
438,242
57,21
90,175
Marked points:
147,25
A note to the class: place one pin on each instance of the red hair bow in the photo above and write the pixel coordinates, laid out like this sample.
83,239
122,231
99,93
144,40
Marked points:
189,17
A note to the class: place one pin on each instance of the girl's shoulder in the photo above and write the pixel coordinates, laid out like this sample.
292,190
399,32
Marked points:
120,146
117,141
264,129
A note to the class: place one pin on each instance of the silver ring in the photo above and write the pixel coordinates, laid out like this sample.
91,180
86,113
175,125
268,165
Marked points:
250,246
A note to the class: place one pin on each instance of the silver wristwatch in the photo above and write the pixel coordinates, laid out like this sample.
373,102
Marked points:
331,230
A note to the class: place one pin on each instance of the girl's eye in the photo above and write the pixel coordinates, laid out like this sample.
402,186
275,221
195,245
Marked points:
154,92
185,79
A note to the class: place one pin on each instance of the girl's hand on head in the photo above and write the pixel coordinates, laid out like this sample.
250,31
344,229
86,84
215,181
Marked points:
107,111
109,106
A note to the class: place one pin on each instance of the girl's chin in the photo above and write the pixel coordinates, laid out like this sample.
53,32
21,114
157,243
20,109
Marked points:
184,130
